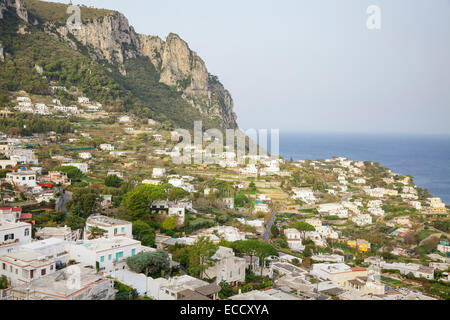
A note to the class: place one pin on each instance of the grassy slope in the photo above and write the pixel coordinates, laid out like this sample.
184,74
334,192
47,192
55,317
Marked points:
57,12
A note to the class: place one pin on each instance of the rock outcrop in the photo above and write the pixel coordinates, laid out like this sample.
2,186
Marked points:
2,55
112,38
18,5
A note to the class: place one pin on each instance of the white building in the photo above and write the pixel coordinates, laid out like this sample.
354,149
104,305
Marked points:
327,232
158,173
227,268
23,178
52,249
83,167
106,254
178,211
106,147
419,271
85,155
59,286
124,119
293,238
83,100
304,194
113,227
362,220
25,265
13,234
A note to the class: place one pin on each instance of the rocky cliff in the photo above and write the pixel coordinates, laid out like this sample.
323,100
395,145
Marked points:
111,37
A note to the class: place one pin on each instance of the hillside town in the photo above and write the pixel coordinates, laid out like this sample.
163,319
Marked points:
94,208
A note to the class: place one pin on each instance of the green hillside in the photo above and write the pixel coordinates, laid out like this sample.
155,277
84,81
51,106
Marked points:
139,93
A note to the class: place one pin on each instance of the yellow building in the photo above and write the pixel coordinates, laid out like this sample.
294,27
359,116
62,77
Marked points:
362,245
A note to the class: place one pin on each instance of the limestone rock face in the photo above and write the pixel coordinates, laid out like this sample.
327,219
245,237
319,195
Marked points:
2,55
112,38
18,5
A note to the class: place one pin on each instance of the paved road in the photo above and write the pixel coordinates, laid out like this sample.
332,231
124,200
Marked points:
269,226
61,206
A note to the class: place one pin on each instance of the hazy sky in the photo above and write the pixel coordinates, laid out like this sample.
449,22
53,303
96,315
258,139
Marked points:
313,65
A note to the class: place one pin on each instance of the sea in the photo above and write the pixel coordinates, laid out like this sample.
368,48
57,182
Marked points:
425,157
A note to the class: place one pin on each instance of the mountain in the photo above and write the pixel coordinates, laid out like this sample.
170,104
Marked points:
109,62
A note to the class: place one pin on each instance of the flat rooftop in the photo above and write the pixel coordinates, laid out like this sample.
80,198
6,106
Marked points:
56,284
106,221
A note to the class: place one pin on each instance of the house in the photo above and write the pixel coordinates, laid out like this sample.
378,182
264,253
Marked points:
182,288
113,227
45,197
327,232
10,214
25,265
152,182
437,206
338,272
22,178
328,258
362,245
104,254
403,221
177,211
106,147
85,155
52,249
262,207
158,137
417,270
58,178
227,268
124,119
334,209
83,167
59,286
416,205
362,220
83,100
444,247
304,194
158,173
228,203
272,294
64,233
24,156
365,284
13,235
230,234
293,238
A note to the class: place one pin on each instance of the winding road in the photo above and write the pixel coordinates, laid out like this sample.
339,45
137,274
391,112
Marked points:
269,227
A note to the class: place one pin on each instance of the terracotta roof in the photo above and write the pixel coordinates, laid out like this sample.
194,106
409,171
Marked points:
358,269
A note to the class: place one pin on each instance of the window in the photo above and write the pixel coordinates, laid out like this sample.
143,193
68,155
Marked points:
102,259
115,231
43,272
51,267
4,266
27,232
133,252
119,255
123,229
109,257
